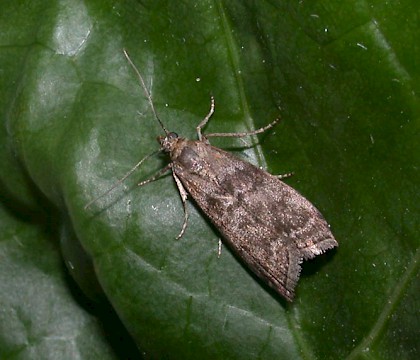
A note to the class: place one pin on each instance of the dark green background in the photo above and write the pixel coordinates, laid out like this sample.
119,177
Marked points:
344,77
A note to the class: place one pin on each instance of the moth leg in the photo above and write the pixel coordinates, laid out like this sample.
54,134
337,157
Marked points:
243,134
219,250
205,120
120,181
284,176
184,195
156,176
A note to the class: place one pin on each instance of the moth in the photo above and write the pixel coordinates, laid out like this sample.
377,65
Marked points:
268,224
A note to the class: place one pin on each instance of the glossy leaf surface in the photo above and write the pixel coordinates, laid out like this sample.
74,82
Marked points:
342,75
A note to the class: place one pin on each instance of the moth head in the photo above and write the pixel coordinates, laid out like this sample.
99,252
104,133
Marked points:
167,142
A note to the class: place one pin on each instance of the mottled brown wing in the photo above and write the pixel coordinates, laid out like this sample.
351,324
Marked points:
266,222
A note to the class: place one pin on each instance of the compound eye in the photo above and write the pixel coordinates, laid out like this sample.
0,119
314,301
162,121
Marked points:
172,135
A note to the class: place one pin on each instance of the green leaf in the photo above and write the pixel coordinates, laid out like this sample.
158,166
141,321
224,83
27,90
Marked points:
43,315
343,78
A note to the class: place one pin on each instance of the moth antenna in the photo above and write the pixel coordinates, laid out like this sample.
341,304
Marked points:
148,95
120,181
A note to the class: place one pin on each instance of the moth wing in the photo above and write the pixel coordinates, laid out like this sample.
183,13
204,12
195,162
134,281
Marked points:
266,222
